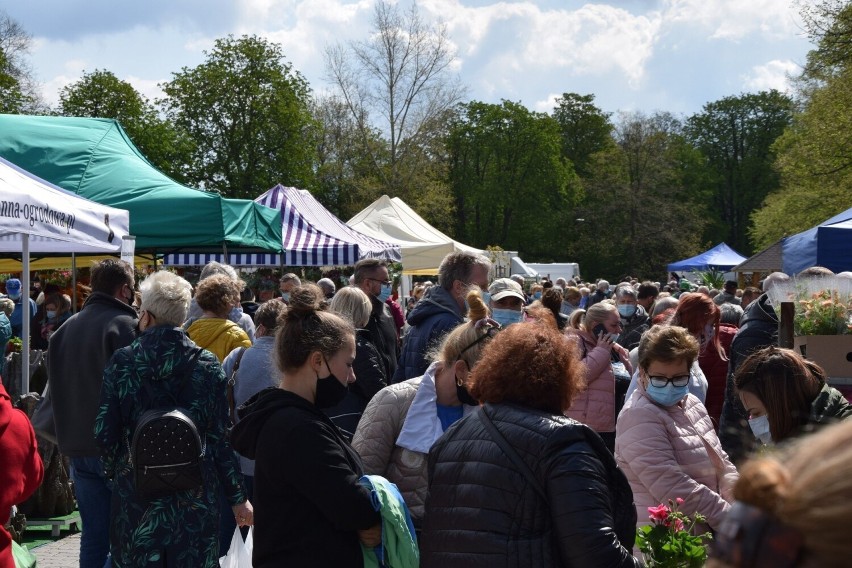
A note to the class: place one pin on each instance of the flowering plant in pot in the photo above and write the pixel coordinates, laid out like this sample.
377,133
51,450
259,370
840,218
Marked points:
668,542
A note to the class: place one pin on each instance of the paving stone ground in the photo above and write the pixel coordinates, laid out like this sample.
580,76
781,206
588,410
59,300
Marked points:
63,553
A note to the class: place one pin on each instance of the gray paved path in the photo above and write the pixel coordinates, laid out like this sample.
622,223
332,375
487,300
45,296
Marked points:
63,553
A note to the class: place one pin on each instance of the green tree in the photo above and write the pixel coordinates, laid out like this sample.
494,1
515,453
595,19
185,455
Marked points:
346,180
585,129
736,136
828,24
248,115
101,94
512,186
400,82
638,214
815,161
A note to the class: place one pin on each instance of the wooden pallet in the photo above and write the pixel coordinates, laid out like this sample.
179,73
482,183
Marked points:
72,521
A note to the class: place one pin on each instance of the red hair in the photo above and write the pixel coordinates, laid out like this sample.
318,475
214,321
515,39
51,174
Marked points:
693,311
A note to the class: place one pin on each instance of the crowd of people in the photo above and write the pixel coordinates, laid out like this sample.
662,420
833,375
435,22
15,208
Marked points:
501,422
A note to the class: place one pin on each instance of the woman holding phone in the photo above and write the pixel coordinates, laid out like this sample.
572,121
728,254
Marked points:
608,368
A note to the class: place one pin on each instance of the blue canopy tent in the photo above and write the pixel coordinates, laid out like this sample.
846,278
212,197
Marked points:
721,257
829,244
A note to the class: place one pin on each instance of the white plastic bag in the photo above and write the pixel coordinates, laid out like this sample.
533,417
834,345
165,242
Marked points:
239,553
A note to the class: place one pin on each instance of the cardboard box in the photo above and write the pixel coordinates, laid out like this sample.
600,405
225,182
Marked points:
831,352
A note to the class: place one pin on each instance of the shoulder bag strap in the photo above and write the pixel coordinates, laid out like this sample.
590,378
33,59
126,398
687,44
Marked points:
510,452
232,380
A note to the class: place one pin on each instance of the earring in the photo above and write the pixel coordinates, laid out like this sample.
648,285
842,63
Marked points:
459,382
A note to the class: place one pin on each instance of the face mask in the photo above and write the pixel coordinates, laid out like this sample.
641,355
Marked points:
330,391
537,296
385,293
285,296
51,314
15,297
505,316
614,336
668,395
486,297
626,310
464,396
760,429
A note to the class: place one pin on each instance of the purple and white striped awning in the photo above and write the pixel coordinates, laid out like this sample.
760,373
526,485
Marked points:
311,235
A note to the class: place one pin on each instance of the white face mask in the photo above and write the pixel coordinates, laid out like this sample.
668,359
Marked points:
760,428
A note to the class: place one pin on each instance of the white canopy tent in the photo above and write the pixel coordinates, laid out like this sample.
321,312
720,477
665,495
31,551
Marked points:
36,216
423,246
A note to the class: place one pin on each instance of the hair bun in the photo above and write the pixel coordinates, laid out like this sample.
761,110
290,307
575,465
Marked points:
763,483
305,300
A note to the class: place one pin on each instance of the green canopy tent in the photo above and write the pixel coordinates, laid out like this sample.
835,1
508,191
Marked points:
94,158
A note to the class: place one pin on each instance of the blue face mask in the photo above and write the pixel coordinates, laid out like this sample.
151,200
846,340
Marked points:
668,395
537,296
626,310
285,296
486,297
51,314
614,336
506,317
385,293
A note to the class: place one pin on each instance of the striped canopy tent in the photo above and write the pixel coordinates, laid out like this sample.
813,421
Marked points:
311,236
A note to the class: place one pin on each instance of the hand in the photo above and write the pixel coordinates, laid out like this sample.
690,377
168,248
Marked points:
604,340
371,537
243,514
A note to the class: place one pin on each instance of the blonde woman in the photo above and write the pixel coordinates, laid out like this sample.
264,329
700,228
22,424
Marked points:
403,421
596,331
353,305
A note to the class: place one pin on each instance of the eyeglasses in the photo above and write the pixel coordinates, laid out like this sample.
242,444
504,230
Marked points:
385,282
660,381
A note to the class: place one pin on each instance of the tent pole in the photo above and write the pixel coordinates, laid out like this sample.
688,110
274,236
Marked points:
26,315
73,283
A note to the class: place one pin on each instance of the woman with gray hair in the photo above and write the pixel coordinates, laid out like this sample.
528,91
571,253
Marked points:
353,305
163,366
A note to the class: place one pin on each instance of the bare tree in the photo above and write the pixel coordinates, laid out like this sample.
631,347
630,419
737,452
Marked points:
399,81
19,91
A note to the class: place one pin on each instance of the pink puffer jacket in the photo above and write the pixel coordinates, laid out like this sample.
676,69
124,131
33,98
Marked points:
595,406
671,452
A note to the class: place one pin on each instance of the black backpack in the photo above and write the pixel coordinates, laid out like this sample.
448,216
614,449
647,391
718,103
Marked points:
166,451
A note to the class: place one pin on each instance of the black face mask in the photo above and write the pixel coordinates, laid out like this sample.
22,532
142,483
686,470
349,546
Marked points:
330,391
464,396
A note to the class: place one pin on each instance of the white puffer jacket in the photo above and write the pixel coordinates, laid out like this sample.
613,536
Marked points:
395,433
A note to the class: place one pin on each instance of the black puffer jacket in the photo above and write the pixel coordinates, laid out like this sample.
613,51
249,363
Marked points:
481,511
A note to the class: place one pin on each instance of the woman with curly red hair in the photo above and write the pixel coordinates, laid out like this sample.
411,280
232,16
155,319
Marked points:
516,482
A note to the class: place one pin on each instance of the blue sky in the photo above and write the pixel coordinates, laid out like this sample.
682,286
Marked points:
673,55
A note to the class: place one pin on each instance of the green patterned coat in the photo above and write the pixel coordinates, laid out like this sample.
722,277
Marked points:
181,529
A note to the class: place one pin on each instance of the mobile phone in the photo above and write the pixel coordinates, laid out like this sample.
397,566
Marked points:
598,330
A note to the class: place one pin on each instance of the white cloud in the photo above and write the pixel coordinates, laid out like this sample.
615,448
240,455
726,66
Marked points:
736,19
547,104
148,88
772,75
521,37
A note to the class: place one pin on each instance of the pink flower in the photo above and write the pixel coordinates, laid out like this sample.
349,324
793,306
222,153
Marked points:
658,514
678,525
679,501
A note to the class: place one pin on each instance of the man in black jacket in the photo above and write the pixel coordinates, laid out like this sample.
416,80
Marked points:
373,278
758,329
77,355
